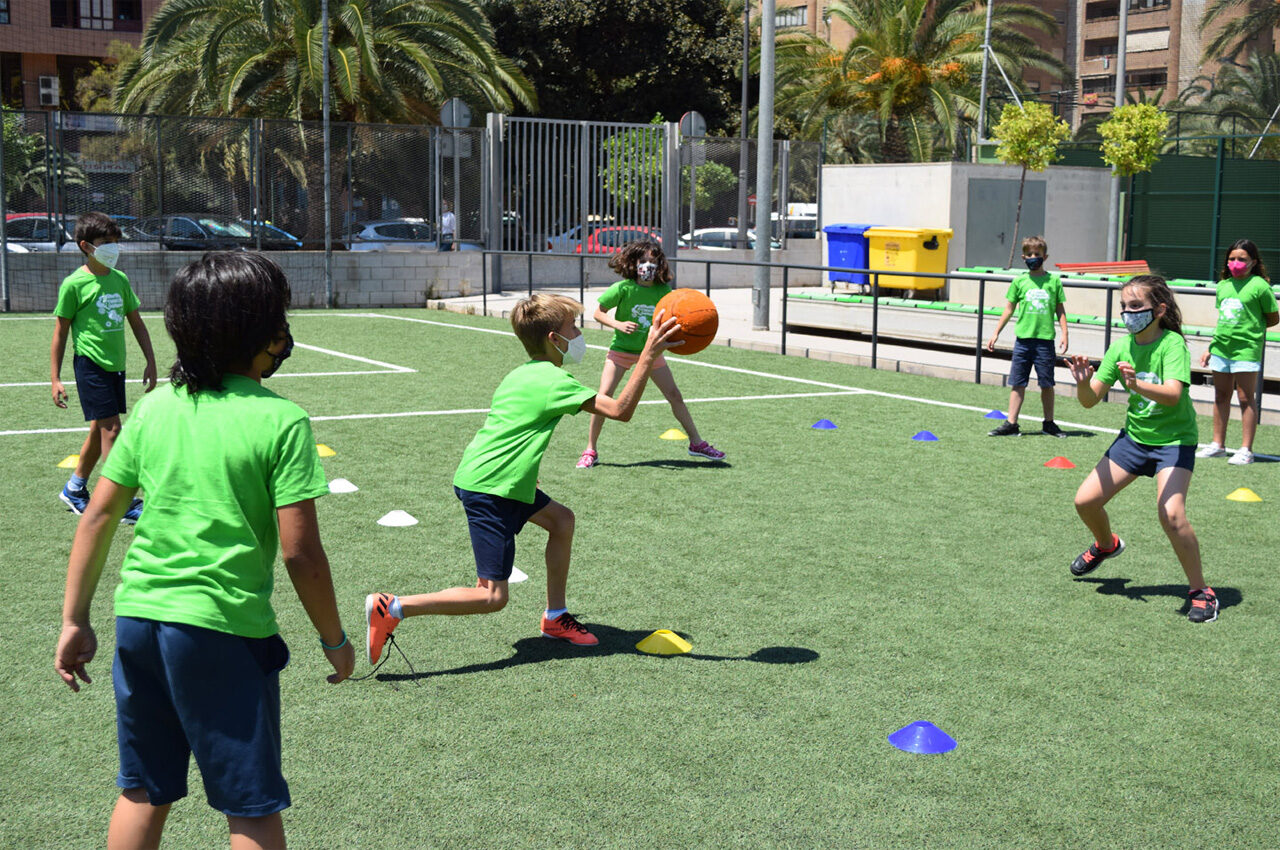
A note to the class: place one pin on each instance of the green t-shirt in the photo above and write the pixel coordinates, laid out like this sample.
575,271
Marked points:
1147,422
503,457
633,303
1241,331
1038,300
214,466
96,306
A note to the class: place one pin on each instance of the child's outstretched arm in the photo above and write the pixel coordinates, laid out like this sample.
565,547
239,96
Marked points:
663,334
78,644
57,351
1089,390
609,322
1009,307
144,342
308,567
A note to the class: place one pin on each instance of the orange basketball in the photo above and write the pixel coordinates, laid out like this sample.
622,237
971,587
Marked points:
698,318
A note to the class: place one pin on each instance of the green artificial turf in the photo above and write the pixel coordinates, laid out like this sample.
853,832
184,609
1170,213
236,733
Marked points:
835,585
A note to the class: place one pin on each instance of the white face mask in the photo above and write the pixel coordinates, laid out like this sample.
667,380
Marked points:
1137,321
576,350
646,271
108,254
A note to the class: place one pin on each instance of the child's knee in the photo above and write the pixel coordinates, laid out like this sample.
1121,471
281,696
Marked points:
1172,517
563,522
1246,398
109,428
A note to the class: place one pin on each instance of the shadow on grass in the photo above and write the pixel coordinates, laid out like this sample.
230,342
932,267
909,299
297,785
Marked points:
613,641
1064,433
1227,596
672,463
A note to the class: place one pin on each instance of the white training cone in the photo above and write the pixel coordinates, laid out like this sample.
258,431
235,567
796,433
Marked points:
397,519
517,575
342,485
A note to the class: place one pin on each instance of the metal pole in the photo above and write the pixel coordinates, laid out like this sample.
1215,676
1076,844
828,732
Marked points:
982,297
742,130
255,174
982,89
1106,332
4,240
875,315
764,168
1217,208
324,120
1113,209
785,270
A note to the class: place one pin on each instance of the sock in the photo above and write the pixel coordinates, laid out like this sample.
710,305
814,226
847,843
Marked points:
394,608
76,483
553,614
1112,547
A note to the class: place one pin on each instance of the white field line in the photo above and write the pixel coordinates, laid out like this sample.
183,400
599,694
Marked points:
388,366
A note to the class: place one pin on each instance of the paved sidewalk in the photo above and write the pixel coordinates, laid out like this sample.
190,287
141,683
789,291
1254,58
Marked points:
737,331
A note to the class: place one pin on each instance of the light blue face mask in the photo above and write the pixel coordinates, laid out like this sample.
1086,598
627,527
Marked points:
1137,321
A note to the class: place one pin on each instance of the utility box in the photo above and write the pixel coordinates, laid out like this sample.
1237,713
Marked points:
847,247
909,249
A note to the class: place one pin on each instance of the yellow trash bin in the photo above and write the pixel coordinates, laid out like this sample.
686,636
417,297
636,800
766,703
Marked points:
909,249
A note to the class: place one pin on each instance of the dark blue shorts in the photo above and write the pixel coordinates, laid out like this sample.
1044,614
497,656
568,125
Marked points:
183,690
101,393
1141,459
494,522
1027,352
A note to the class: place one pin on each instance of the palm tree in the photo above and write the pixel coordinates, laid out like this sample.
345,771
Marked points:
913,64
1258,18
1242,99
391,61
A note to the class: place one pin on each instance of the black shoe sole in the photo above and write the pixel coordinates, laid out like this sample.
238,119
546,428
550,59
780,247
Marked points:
1088,568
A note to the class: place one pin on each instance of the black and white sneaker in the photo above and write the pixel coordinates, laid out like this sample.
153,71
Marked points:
1204,606
1051,428
1090,558
1005,429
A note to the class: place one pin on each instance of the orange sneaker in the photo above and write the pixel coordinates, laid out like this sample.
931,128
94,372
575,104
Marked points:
381,623
565,627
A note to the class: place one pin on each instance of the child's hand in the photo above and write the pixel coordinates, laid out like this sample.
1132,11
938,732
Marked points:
991,343
1062,346
59,394
149,377
76,647
663,333
1081,368
1204,360
343,660
1128,374
628,327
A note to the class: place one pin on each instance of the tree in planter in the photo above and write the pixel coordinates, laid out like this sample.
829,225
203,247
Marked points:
1029,136
1131,141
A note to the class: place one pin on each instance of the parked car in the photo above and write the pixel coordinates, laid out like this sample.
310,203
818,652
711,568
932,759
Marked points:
566,242
272,238
196,232
606,240
38,233
398,234
722,239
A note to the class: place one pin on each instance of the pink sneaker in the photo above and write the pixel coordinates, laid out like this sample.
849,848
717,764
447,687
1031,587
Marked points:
588,459
705,450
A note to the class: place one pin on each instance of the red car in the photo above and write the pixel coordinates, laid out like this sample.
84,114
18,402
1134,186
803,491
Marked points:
606,240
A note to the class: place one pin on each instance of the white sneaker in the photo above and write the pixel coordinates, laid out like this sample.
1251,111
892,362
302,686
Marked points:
1241,457
1212,450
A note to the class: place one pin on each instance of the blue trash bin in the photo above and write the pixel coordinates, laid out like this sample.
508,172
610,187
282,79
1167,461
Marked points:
847,246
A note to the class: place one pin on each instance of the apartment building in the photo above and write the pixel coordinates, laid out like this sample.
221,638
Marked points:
46,46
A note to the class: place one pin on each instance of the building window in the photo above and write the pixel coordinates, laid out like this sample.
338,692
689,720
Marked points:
1153,79
123,15
1098,85
1094,48
796,16
4,11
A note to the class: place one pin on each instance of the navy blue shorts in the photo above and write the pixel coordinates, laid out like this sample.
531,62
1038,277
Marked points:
101,393
1141,459
494,522
183,690
1026,352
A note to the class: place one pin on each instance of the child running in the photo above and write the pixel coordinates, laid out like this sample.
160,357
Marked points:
497,479
1246,308
230,469
1159,436
633,299
94,302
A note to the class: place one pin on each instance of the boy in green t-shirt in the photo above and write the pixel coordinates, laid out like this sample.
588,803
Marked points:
232,475
94,302
1042,299
497,479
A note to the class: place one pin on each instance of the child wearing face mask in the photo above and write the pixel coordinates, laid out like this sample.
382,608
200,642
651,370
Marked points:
645,281
497,478
1043,300
94,302
1159,436
1246,308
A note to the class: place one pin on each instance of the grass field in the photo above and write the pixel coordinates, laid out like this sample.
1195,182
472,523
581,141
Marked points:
835,585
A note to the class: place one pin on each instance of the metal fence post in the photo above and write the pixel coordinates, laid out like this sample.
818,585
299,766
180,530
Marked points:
707,265
1217,207
982,297
1106,334
785,270
494,237
875,316
160,176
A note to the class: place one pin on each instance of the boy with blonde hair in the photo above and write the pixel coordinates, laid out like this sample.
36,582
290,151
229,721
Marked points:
497,479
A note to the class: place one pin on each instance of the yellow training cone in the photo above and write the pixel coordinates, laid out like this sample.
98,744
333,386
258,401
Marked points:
674,434
1243,494
324,450
664,642
69,462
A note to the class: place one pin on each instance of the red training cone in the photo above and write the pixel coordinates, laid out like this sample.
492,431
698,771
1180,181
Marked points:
1059,463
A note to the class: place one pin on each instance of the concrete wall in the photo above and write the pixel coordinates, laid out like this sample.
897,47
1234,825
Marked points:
392,278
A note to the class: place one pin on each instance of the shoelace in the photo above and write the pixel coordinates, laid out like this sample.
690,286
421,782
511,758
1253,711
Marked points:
567,621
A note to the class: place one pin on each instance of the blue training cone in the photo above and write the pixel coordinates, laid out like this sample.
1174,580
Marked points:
922,737
926,437
824,425
995,414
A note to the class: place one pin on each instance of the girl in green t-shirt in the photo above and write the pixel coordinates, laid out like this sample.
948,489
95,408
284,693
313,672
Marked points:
1246,308
633,300
1159,436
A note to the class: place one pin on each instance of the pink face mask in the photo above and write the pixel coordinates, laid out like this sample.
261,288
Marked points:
1237,267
